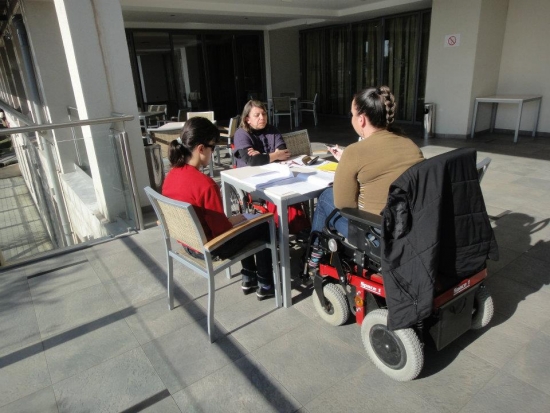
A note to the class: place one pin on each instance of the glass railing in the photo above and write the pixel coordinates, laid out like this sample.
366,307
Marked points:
74,183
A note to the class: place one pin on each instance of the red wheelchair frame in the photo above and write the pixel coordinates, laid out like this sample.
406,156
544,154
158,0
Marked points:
348,280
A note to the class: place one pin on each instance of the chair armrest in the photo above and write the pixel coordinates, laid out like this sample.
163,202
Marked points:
239,229
368,218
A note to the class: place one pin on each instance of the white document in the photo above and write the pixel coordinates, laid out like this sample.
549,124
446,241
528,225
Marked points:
273,172
302,183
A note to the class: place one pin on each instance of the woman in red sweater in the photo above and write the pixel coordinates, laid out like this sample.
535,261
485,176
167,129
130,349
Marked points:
185,182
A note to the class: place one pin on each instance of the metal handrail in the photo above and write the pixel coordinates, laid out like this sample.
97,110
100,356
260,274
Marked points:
52,126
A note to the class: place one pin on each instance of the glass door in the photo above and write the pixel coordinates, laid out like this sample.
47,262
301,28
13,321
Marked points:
155,69
190,79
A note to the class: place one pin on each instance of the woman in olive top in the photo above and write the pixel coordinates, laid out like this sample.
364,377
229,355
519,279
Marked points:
368,167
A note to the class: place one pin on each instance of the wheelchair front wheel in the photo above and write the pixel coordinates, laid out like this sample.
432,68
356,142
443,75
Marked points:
483,308
397,353
338,309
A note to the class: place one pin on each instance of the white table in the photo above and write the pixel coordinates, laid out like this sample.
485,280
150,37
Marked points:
513,99
237,178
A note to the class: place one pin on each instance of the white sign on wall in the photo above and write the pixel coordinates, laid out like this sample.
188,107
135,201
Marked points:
452,40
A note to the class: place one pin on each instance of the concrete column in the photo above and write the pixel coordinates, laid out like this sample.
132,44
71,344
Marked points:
469,68
92,32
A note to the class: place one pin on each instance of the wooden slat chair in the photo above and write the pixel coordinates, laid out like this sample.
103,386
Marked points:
179,221
297,142
208,115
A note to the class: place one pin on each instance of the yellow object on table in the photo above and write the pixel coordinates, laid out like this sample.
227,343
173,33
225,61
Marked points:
328,167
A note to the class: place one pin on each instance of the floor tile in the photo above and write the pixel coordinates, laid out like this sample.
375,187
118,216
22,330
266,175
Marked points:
532,364
22,373
186,356
530,271
42,401
153,320
450,378
73,310
67,280
242,386
506,394
90,346
118,264
131,289
520,302
540,251
18,324
308,360
255,323
500,341
381,394
115,385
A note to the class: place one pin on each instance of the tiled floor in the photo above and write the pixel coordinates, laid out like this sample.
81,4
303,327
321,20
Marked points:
23,234
91,331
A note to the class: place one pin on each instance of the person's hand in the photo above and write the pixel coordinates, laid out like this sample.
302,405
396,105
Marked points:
282,154
252,152
336,152
236,219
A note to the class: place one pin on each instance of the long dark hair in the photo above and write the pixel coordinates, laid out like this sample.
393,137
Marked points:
377,104
196,131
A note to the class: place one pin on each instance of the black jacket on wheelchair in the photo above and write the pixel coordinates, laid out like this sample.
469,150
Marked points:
435,232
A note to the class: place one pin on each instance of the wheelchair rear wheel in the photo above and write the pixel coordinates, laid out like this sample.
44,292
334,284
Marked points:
338,311
236,199
397,353
483,308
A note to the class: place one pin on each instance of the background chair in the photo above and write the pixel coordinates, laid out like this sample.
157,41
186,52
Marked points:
309,106
208,115
281,107
178,220
227,137
182,116
297,142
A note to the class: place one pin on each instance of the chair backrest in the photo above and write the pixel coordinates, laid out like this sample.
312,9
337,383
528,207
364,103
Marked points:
233,125
208,115
152,108
161,108
281,105
297,142
178,220
182,115
481,167
289,94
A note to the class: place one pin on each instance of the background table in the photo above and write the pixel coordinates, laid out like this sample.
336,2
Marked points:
514,99
237,178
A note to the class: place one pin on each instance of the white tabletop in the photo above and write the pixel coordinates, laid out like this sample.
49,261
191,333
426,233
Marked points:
168,127
149,114
237,177
508,98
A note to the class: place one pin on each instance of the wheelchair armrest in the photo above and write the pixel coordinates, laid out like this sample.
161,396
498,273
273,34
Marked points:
364,217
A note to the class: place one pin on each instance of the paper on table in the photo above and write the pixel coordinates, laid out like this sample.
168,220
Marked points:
274,172
302,183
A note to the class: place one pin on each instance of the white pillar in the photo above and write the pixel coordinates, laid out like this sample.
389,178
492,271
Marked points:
95,47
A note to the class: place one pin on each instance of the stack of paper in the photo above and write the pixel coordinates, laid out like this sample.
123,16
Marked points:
274,172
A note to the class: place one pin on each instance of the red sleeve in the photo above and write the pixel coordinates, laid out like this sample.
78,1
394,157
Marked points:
213,211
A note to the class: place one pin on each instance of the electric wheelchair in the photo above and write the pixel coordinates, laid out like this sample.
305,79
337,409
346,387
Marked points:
349,280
